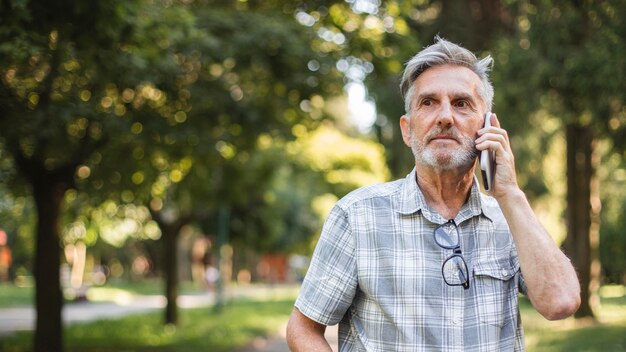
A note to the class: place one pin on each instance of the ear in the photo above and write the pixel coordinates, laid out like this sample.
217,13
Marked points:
405,127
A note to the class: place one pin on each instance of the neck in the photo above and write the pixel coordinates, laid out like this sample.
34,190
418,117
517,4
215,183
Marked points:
445,190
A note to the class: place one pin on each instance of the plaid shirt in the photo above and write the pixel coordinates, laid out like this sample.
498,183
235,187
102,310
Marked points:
376,270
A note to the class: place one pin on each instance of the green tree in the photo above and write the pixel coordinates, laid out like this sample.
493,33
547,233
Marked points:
246,71
570,57
16,218
612,176
65,66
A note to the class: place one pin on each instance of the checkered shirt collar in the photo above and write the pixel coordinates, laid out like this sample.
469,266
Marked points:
411,200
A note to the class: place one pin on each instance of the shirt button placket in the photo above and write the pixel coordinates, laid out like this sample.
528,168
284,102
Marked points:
456,319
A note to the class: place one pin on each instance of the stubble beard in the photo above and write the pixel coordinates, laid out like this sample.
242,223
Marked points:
462,157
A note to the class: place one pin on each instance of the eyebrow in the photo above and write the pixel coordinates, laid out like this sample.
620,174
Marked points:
455,95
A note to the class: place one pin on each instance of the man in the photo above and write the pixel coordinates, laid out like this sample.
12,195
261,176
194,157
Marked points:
429,263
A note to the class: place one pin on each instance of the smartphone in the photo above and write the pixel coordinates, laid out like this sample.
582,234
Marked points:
487,161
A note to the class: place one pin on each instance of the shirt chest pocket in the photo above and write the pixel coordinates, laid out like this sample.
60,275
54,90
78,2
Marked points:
496,290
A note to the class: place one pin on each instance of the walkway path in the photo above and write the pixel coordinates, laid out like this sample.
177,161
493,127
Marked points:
23,318
278,343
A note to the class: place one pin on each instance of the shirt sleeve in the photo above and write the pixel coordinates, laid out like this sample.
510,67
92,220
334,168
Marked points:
331,281
521,283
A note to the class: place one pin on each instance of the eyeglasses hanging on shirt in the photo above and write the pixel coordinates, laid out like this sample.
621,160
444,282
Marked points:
454,268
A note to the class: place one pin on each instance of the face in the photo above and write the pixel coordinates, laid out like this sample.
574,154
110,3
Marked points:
446,112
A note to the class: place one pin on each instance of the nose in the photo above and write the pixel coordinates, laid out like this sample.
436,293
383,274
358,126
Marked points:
444,118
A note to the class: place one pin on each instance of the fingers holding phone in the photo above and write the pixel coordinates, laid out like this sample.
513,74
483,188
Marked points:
487,161
496,157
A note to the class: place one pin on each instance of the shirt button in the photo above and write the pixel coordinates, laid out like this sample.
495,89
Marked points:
505,272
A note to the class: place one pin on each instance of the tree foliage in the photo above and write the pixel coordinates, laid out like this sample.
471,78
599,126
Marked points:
64,63
152,103
570,57
178,109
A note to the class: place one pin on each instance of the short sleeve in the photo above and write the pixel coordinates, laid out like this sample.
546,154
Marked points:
330,283
521,283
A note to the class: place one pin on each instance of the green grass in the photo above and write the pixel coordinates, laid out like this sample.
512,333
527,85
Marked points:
23,295
150,286
199,330
607,334
243,319
13,295
205,329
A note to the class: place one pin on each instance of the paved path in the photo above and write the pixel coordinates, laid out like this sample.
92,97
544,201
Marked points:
23,318
278,343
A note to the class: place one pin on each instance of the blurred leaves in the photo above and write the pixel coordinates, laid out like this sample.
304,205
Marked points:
176,107
183,106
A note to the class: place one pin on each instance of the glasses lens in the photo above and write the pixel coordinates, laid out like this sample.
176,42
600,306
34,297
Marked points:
447,235
455,271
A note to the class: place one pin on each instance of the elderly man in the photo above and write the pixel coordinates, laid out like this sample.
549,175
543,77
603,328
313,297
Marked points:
429,263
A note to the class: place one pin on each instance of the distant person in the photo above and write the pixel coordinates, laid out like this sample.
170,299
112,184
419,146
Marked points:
211,276
429,263
6,259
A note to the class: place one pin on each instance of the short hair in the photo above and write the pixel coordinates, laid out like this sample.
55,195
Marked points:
443,52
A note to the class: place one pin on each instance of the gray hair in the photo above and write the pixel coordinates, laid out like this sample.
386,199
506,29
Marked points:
444,52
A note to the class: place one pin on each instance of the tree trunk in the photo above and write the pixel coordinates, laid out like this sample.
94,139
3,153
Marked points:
583,207
48,296
170,256
170,226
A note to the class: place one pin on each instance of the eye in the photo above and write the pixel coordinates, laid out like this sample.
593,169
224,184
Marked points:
461,104
427,102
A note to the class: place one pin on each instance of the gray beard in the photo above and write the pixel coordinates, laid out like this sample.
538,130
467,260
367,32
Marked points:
462,157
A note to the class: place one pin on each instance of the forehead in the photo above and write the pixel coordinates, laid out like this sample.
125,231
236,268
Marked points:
446,80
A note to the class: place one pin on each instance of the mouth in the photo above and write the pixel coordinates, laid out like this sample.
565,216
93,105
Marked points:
443,138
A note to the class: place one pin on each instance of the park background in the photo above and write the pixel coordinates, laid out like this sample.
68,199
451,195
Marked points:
194,147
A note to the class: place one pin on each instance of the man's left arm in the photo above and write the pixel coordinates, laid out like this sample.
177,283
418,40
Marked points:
552,283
